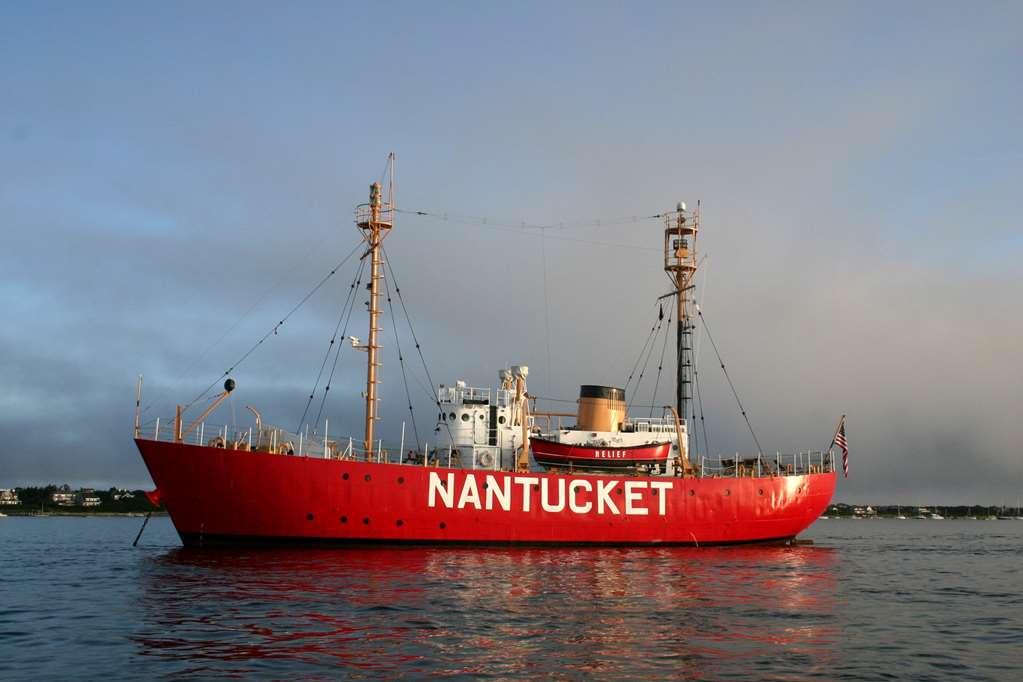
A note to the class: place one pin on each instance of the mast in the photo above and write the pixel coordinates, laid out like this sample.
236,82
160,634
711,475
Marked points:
375,221
680,228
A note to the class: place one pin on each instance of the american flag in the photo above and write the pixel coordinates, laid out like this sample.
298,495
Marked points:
841,442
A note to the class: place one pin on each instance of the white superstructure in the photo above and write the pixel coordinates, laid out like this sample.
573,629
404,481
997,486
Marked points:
480,428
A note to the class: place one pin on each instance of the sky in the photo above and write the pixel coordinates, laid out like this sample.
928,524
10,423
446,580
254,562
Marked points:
175,177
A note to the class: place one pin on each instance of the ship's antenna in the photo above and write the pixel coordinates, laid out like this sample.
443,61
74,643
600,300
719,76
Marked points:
375,220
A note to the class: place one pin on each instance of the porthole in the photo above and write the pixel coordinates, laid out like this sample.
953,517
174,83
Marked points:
727,492
451,416
399,523
500,420
367,477
760,491
465,416
401,480
365,521
692,492
344,476
309,516
482,417
443,525
344,519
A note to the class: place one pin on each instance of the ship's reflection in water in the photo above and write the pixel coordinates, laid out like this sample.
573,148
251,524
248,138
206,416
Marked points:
710,612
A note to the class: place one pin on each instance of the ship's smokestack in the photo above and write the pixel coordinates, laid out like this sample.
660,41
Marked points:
601,408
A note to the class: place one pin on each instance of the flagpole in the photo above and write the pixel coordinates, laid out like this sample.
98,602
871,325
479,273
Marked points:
835,434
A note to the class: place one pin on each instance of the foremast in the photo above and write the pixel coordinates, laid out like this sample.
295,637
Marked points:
375,220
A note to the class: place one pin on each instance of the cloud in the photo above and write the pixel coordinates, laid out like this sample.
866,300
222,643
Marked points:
160,215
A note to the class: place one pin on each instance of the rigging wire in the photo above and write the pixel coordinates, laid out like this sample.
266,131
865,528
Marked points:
649,337
450,216
738,402
699,400
520,229
273,330
415,339
696,358
660,364
349,299
234,325
401,361
639,380
546,309
340,348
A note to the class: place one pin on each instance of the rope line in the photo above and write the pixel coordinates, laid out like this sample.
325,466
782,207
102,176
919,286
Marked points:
415,339
339,351
449,216
738,402
401,361
639,380
660,364
521,230
635,365
546,309
273,330
343,317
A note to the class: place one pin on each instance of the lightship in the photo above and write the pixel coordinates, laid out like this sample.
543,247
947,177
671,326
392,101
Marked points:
501,472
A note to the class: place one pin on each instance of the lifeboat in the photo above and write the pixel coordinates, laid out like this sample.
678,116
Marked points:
605,440
552,454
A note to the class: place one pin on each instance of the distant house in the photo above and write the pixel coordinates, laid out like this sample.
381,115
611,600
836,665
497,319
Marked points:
88,500
63,498
9,497
87,497
122,495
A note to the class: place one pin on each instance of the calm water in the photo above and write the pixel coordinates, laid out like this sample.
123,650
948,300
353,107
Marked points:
870,600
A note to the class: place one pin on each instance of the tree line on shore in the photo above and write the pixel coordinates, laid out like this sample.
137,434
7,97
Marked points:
893,511
37,499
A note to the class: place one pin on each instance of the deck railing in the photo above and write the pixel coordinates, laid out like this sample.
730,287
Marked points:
275,440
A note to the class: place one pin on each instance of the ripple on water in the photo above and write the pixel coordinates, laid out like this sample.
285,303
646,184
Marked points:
881,602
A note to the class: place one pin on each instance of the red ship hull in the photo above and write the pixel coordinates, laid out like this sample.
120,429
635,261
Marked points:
563,455
216,496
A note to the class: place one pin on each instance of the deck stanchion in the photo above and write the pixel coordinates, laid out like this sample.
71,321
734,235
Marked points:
156,431
401,448
300,442
326,426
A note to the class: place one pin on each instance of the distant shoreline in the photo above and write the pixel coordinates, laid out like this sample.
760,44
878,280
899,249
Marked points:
22,512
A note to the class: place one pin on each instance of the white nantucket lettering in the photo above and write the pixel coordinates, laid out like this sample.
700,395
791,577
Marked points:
545,498
632,495
526,482
569,495
604,489
662,487
502,494
470,493
572,503
447,493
